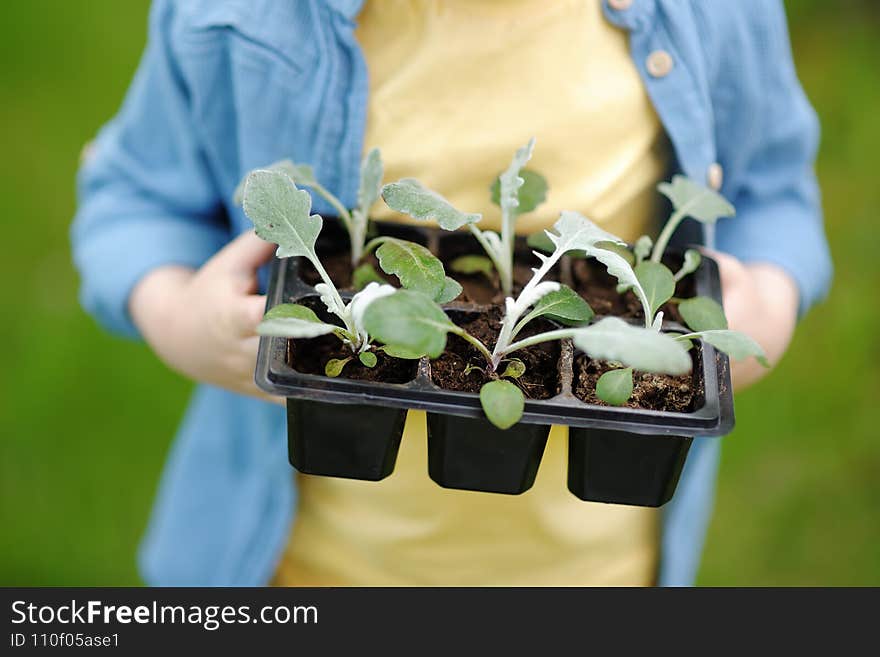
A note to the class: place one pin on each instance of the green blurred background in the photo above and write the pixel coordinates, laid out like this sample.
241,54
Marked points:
86,418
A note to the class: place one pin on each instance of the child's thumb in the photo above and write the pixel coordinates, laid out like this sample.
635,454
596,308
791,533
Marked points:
246,253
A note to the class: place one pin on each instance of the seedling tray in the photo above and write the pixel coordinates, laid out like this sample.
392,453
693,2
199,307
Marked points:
616,454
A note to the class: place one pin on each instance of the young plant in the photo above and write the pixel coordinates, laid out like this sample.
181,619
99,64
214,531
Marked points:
282,214
355,221
397,257
412,322
516,191
688,199
654,284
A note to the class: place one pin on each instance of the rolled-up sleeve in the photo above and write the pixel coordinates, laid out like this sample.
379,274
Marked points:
146,197
779,214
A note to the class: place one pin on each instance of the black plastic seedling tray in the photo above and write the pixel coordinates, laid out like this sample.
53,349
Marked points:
348,428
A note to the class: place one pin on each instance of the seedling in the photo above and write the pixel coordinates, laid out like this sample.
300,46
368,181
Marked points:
410,321
654,284
281,214
688,199
396,256
516,191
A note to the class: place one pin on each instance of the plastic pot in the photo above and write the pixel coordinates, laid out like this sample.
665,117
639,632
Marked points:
473,454
624,468
331,439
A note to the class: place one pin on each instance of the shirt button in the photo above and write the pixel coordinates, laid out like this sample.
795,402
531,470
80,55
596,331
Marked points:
715,176
659,63
620,5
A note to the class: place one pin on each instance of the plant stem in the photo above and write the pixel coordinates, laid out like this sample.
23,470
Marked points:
374,243
357,233
508,222
475,342
549,336
666,234
504,269
508,330
344,214
522,324
335,294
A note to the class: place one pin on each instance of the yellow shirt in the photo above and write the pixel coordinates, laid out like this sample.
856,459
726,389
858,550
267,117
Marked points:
456,87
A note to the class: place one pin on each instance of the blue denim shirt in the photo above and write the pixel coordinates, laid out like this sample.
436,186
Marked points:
226,86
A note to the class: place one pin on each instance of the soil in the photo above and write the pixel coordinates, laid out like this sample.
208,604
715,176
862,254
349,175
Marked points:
599,288
479,288
333,250
338,266
540,380
654,392
310,357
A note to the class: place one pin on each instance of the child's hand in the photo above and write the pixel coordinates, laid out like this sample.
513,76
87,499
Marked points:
202,323
760,300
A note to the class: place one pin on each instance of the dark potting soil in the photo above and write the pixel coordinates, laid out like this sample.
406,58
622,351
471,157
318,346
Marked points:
540,380
599,288
310,356
338,266
654,392
335,254
480,288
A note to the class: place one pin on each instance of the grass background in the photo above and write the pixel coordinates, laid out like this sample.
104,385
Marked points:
85,418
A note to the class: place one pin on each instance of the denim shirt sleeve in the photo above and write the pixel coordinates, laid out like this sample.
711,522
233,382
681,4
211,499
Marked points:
146,198
779,214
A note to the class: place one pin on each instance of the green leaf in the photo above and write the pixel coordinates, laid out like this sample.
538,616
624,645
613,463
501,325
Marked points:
363,275
657,282
409,320
510,182
371,181
299,173
564,305
738,346
472,264
410,197
503,403
334,366
397,352
644,349
623,272
515,369
368,359
290,320
692,260
451,290
695,200
532,193
615,387
573,231
702,314
280,213
292,310
620,249
642,248
416,267
540,242
361,301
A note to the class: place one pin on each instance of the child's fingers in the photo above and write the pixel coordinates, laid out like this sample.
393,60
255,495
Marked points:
245,254
730,268
246,312
249,359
